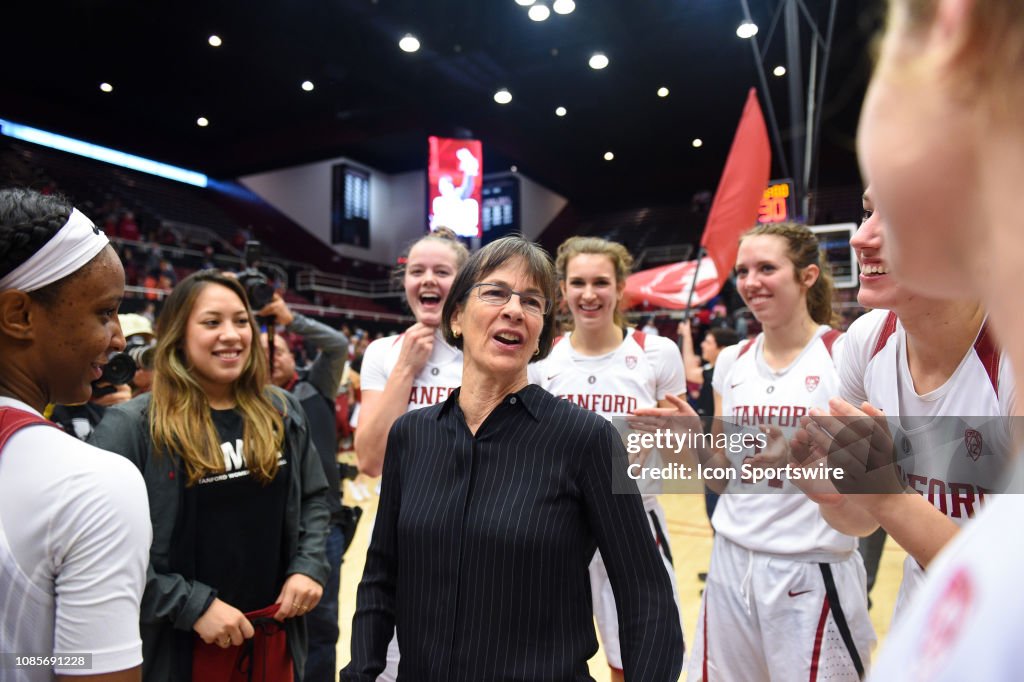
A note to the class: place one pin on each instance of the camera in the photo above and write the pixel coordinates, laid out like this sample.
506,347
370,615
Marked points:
141,350
257,287
120,369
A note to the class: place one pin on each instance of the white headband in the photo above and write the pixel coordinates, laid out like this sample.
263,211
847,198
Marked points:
73,246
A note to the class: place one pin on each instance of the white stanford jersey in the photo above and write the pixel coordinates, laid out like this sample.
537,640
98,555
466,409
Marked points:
966,621
440,376
639,373
782,521
954,442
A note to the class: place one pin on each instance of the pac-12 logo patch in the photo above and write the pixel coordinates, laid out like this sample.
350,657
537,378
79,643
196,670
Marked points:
811,383
630,362
973,441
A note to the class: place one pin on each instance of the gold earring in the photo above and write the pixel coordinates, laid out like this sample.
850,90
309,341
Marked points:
537,352
456,333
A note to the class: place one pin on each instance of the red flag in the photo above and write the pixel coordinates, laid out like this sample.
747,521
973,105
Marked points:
668,286
747,171
733,212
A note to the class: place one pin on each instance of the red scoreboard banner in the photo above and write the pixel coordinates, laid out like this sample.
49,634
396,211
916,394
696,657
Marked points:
453,174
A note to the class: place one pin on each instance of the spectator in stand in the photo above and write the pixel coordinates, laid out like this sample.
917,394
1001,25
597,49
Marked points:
128,228
131,267
209,263
316,390
110,227
241,236
151,283
167,237
168,277
153,253
74,525
649,327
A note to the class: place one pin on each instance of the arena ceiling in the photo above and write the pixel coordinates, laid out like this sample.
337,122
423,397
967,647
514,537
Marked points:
375,103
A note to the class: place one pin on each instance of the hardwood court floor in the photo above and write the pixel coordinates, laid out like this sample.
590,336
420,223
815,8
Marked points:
689,534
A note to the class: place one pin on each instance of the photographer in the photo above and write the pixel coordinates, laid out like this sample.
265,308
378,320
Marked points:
140,342
316,388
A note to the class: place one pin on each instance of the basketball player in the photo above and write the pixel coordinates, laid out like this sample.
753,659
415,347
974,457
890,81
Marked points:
942,117
785,594
933,369
611,369
414,369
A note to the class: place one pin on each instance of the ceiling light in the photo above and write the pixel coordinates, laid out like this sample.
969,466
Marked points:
215,41
202,122
662,92
746,30
598,60
697,142
524,3
563,6
608,156
539,12
307,86
780,71
106,87
560,111
503,96
409,43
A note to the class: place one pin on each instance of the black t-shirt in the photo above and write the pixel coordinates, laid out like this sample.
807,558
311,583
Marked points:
240,545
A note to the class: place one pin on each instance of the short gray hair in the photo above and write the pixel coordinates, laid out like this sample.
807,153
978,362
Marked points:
538,265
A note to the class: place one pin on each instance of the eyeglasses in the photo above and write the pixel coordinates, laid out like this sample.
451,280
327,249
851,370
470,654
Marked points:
499,294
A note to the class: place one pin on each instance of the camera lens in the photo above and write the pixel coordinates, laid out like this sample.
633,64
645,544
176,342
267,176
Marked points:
120,369
142,355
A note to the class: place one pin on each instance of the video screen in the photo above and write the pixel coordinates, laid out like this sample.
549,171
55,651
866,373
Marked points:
350,206
454,177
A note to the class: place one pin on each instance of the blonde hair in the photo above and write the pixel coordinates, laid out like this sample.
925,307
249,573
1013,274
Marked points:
993,48
620,258
441,235
179,415
802,250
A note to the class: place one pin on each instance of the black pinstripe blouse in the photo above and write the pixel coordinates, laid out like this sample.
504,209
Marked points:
482,543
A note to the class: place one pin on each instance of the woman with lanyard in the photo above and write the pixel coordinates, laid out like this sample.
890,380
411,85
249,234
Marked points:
414,369
236,493
942,119
934,370
74,527
611,369
785,593
492,505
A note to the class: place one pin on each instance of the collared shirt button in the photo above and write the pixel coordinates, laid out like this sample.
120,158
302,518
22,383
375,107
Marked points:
512,400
